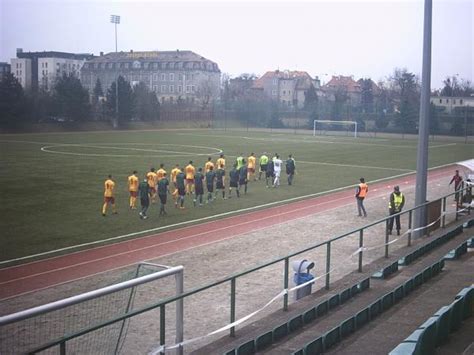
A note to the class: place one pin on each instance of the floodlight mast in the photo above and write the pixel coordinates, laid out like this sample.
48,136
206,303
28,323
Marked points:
115,20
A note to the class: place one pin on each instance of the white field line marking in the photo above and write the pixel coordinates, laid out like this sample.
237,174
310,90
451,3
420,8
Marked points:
354,166
212,217
192,236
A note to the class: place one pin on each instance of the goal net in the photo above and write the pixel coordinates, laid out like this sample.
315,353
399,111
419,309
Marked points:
328,127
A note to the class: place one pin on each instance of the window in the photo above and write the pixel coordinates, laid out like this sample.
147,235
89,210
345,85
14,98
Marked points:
460,101
163,88
111,65
289,92
440,101
274,92
171,99
46,64
145,65
180,89
275,81
155,77
171,76
284,92
193,88
155,88
163,76
155,65
447,100
163,100
171,65
180,77
127,65
454,101
171,88
188,89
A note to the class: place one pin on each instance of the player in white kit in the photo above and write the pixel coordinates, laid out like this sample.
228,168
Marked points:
277,163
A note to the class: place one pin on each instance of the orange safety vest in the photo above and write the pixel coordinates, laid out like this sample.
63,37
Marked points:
363,188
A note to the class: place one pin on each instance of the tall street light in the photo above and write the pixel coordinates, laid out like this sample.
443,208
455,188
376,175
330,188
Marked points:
115,20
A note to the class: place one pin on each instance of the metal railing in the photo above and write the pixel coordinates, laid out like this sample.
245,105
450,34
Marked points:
232,280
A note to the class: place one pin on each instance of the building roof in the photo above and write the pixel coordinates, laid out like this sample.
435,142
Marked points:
341,81
303,78
53,54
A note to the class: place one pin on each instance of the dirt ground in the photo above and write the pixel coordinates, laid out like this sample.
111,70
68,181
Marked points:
210,310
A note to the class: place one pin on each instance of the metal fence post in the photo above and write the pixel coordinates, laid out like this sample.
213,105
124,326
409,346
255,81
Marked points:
457,209
410,222
285,284
386,238
444,210
361,244
179,311
232,305
62,348
162,326
328,263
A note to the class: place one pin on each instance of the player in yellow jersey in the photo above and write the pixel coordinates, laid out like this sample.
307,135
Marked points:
175,171
109,186
208,165
251,164
190,170
221,162
160,174
133,189
151,177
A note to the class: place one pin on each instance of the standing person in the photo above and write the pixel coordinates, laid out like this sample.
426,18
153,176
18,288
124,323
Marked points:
240,161
234,180
277,163
290,169
263,161
175,172
221,162
190,171
180,183
163,191
243,173
160,173
269,173
252,163
361,192
208,165
109,198
198,187
210,177
220,182
144,192
457,179
397,201
133,190
151,178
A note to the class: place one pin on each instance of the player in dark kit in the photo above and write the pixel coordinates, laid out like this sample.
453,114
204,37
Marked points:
243,177
163,191
220,182
210,177
198,187
180,178
144,193
269,173
234,181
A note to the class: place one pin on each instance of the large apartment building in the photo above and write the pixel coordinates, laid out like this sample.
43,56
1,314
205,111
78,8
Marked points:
175,76
5,68
41,69
289,88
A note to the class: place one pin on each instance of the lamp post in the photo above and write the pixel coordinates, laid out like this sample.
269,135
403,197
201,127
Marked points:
115,20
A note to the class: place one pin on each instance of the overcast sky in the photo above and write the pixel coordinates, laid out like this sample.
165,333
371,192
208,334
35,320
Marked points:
360,38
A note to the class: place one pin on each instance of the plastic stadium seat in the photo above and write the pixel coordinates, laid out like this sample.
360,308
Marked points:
280,332
418,280
408,348
295,323
364,284
309,315
264,340
331,338
355,290
345,295
409,286
470,242
334,301
322,308
348,327
231,352
456,314
467,295
298,352
246,348
363,317
375,308
427,274
398,293
315,347
428,338
443,326
387,301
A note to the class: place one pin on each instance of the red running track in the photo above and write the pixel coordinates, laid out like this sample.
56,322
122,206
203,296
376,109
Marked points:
34,276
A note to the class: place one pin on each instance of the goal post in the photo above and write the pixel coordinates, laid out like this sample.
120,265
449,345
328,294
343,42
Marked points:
325,125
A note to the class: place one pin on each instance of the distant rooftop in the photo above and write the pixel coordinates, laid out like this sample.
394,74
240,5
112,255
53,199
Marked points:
52,54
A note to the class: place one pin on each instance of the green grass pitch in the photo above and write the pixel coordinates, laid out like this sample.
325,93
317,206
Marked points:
52,184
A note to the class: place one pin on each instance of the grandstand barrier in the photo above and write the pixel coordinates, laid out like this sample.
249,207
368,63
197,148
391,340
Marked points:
62,340
436,329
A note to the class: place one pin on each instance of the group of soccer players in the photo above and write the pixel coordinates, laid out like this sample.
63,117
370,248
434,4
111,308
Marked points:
189,181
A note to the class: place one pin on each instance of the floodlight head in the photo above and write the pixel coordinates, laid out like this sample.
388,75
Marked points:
115,19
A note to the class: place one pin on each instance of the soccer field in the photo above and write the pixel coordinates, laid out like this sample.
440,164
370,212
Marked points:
52,184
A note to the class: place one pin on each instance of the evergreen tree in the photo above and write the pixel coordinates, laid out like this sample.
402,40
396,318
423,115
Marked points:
146,106
98,92
12,102
125,100
70,99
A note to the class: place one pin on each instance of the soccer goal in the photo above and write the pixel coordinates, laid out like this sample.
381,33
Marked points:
327,126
